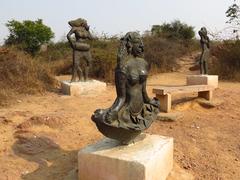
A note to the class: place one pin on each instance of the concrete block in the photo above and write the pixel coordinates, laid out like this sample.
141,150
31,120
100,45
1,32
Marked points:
165,102
148,159
81,88
211,80
208,95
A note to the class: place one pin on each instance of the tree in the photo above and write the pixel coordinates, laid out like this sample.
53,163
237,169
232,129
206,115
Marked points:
28,35
174,30
233,13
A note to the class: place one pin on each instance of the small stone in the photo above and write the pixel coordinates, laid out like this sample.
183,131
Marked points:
25,172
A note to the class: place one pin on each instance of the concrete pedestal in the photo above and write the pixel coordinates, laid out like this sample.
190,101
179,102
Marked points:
211,80
81,88
148,159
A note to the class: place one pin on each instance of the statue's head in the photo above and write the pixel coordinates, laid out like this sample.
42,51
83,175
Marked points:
203,31
134,43
80,22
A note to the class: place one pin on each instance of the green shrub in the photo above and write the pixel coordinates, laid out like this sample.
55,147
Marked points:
174,30
28,35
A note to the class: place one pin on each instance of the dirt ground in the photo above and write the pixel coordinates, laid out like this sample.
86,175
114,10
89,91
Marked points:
41,135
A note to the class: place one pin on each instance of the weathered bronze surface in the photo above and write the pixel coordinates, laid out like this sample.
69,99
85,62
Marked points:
81,50
205,44
132,111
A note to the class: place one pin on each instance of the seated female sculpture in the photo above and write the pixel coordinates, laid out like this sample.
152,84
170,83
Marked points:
133,111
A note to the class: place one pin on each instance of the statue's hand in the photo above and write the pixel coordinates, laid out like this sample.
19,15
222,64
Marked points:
111,116
155,102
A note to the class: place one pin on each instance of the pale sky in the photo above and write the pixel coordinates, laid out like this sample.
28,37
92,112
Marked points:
115,16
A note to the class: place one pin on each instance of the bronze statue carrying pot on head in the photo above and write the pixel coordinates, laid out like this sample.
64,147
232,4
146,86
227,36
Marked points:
81,50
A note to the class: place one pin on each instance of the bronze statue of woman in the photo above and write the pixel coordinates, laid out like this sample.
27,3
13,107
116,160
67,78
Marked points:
81,50
133,111
205,50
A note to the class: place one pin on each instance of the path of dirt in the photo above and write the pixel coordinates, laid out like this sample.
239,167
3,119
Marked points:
41,135
189,63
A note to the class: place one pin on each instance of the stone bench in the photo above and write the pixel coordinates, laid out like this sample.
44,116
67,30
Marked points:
163,93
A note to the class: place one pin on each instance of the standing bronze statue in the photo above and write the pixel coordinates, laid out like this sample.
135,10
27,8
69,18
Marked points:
81,50
132,111
205,50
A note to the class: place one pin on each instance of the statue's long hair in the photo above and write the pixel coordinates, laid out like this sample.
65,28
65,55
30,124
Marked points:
125,48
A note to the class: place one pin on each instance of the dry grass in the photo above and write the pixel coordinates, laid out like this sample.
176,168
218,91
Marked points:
159,52
20,74
227,60
162,54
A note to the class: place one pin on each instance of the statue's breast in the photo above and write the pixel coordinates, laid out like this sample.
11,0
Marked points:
133,77
136,71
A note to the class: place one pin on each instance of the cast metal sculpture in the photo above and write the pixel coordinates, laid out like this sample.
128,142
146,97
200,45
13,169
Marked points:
205,50
81,50
132,111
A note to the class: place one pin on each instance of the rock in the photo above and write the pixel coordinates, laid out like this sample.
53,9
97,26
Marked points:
208,104
172,116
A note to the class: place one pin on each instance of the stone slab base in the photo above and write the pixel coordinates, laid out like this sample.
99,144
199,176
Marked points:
211,80
81,88
149,159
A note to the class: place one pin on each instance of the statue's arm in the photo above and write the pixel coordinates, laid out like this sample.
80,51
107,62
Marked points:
121,92
69,36
208,42
155,102
146,99
204,40
90,37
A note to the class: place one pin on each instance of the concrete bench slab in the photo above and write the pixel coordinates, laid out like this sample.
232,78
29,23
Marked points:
163,93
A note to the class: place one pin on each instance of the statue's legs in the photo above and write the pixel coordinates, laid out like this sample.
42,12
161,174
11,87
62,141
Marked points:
77,71
74,69
201,67
86,70
80,73
205,66
203,62
88,60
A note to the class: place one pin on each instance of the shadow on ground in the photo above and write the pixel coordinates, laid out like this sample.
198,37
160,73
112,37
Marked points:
49,156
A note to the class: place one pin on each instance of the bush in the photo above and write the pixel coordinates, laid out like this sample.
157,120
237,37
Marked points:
104,54
28,35
227,61
174,30
162,54
20,74
55,51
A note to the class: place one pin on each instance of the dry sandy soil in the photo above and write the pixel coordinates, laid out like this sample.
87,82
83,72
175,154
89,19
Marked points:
41,135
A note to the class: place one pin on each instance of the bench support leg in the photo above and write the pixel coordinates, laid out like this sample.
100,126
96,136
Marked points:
206,95
165,102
